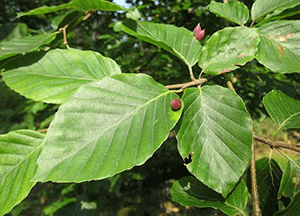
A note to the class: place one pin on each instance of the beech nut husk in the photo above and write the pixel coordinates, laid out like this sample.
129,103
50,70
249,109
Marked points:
176,104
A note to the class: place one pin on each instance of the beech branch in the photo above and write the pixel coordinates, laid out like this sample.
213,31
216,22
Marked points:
254,188
64,31
42,130
275,144
188,84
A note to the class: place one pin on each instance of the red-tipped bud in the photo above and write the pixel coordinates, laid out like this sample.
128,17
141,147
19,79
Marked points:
198,32
176,104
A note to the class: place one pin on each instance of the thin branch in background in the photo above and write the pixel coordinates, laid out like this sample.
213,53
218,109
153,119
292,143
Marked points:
185,85
275,144
287,157
64,31
255,196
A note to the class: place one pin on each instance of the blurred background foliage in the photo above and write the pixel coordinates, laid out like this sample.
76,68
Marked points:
143,190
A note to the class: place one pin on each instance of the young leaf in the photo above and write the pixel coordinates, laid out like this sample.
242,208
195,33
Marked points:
58,73
178,41
9,31
268,175
290,182
217,130
227,49
292,209
133,13
188,191
284,110
102,5
279,46
107,127
234,11
260,8
19,151
24,45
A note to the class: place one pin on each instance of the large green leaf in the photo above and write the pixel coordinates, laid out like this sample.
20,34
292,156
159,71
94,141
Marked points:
216,130
268,174
279,48
293,208
284,110
19,151
178,41
24,45
234,11
76,4
107,127
58,73
290,182
188,191
261,8
227,49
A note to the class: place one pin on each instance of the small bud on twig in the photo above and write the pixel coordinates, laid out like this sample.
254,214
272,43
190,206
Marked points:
198,32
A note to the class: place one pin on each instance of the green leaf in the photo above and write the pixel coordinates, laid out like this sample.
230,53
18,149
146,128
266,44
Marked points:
19,151
268,174
277,15
66,19
261,8
290,182
228,49
107,127
216,130
9,31
78,5
278,49
24,45
57,205
188,191
234,11
293,208
178,41
284,110
58,73
133,13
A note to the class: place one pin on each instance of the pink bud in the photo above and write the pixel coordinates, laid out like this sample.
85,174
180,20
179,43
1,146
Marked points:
176,104
198,32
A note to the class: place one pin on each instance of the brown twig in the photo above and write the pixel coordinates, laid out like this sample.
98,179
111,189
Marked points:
185,85
64,31
42,130
275,144
255,197
88,14
228,82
